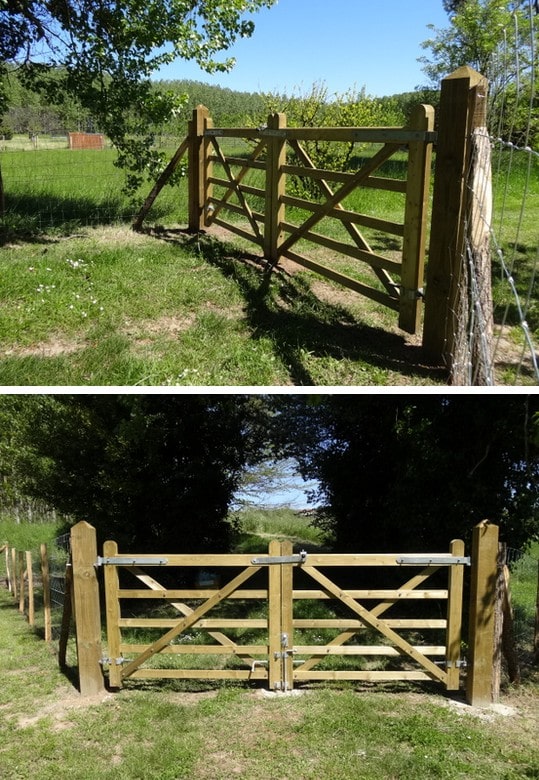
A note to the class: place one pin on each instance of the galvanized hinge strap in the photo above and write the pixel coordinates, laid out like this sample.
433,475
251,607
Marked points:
105,661
131,561
425,560
299,558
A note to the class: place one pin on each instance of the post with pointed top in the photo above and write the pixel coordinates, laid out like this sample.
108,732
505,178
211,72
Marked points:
462,115
86,608
479,682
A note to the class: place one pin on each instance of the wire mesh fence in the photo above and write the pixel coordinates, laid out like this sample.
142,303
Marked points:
524,589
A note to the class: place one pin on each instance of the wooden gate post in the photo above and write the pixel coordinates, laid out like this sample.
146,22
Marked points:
463,104
46,584
198,168
454,618
86,608
415,221
275,188
482,613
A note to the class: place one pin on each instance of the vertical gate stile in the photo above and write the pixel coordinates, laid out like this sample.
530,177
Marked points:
110,549
207,187
454,618
274,215
197,168
274,619
287,625
415,221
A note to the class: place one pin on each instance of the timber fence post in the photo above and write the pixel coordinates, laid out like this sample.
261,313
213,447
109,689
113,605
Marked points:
456,216
86,608
275,188
480,677
45,578
199,168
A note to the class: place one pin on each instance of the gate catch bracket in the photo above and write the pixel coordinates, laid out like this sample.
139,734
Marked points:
299,558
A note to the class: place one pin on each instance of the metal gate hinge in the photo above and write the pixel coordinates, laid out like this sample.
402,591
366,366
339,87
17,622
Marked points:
299,558
131,561
104,661
426,560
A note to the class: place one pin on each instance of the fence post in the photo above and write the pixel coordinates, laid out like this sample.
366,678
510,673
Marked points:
86,608
415,221
275,188
14,583
45,578
463,104
30,576
22,595
482,614
199,168
274,619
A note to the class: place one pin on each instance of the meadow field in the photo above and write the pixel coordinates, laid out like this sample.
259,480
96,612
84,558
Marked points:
88,302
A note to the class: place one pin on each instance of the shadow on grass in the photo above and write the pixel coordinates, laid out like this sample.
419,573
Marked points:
284,309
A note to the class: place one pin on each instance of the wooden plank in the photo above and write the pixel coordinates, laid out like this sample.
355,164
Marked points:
356,235
371,559
234,228
239,176
454,618
202,623
346,281
354,623
86,607
361,175
394,595
110,549
259,673
160,183
374,182
482,603
196,593
339,247
415,221
188,649
274,618
189,620
231,207
275,188
20,573
365,676
364,650
232,182
377,624
184,609
383,225
197,560
244,162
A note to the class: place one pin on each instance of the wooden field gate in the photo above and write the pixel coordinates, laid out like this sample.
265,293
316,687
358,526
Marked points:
294,640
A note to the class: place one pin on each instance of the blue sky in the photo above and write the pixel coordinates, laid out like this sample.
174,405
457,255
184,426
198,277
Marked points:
344,43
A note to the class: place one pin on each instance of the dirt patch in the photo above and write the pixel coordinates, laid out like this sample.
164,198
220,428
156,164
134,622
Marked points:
54,347
58,711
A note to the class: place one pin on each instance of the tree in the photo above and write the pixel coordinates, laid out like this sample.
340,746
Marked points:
148,471
411,473
103,54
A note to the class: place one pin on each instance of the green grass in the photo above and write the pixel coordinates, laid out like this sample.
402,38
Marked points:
102,306
47,731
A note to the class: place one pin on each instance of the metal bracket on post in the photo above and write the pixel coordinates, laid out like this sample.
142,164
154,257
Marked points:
299,558
426,560
131,561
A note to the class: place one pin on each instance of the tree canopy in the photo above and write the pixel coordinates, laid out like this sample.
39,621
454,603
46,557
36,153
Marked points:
144,469
103,53
404,472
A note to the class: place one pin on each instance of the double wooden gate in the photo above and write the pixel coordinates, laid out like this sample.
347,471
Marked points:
283,617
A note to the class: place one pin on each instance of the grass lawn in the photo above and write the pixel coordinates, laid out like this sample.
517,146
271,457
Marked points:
85,301
167,731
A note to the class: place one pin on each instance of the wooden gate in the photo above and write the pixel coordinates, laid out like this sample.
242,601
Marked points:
293,644
256,209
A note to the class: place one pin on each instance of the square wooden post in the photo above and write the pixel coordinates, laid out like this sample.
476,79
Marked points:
110,550
274,619
482,614
46,584
86,608
454,617
463,104
275,187
30,578
199,168
415,221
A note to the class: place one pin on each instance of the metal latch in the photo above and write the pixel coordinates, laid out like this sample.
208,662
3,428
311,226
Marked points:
299,558
131,561
425,560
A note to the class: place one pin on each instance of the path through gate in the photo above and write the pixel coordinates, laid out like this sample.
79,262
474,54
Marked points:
284,617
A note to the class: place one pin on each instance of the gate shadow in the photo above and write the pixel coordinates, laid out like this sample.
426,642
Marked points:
283,308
